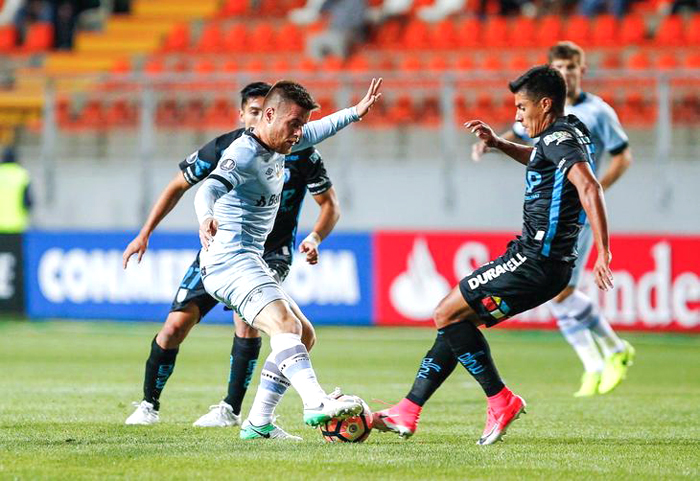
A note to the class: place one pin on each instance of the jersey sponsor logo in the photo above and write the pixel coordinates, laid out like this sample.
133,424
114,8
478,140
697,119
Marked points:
557,137
561,163
227,164
532,180
269,202
493,273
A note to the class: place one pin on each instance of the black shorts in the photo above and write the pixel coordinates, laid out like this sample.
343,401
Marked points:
513,283
192,289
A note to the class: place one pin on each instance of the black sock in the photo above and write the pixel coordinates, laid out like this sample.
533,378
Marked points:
435,367
472,351
159,367
244,358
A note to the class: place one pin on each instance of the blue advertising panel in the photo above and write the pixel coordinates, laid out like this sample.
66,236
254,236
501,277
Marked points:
75,274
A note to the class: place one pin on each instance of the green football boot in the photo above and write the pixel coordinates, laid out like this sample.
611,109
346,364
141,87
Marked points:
589,384
616,367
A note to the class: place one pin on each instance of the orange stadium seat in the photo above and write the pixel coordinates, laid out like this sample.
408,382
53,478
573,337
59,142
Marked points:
438,63
154,66
605,31
193,114
388,35
234,7
411,63
692,61
429,112
519,63
670,32
231,66
464,63
639,61
611,61
221,114
8,38
444,36
290,38
121,113
416,35
281,66
469,33
632,30
255,65
522,32
492,62
211,39
495,32
549,31
264,38
578,30
178,39
307,65
358,63
168,113
666,61
204,67
121,66
92,115
236,38
693,32
401,110
331,64
39,37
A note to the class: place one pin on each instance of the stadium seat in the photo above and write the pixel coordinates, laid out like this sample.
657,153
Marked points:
178,40
121,113
8,38
39,37
670,32
411,64
666,62
429,112
263,38
307,65
204,67
236,38
193,115
469,33
693,32
92,115
639,61
578,30
444,36
465,63
519,64
254,65
358,63
211,39
331,64
438,63
632,30
154,66
220,114
121,66
290,38
492,63
523,32
611,61
234,8
495,32
416,36
549,31
401,110
692,61
605,31
388,35
281,66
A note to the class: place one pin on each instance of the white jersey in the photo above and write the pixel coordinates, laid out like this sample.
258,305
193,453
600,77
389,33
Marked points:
243,192
607,134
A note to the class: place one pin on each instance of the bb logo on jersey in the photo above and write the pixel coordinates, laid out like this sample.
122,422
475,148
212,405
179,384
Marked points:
263,201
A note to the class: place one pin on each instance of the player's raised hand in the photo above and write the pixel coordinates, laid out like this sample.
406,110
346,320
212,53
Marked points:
137,246
372,96
601,271
207,231
309,246
483,131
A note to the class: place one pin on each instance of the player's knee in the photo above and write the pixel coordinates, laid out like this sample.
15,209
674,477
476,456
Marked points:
308,338
244,331
289,323
175,329
442,316
563,295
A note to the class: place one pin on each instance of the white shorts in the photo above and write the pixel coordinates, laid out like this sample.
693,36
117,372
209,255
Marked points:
583,246
242,281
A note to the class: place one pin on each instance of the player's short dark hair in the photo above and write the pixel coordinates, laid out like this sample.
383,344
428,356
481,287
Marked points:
566,50
293,92
256,89
542,81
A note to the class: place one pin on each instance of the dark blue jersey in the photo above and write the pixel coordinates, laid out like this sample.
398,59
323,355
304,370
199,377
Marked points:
304,170
552,213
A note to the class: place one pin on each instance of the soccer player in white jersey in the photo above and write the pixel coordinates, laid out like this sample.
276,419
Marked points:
236,207
578,318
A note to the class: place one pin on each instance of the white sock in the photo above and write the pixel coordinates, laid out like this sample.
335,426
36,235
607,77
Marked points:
293,361
272,387
569,314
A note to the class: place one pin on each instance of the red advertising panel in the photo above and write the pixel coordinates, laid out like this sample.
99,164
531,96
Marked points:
657,278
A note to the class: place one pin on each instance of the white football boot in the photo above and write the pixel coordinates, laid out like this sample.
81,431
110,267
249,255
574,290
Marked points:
268,431
333,407
144,415
219,416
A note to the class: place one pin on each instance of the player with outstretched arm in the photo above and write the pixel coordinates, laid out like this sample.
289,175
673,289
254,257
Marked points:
537,265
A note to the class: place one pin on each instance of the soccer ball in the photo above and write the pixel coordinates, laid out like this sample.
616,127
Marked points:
355,429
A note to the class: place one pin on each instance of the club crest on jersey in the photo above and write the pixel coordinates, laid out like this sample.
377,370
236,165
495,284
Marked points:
192,158
557,137
287,175
315,157
227,164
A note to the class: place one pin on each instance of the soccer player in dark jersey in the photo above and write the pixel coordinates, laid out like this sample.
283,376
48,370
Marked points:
560,190
304,170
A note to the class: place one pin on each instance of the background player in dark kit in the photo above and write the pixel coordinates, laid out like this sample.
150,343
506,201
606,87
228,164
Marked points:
536,266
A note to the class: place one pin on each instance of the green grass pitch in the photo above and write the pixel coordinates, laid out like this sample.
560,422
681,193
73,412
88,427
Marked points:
66,388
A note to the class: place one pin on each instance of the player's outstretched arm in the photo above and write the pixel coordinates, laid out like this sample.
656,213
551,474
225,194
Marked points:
593,202
167,200
326,221
486,134
618,165
319,130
